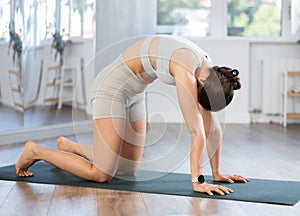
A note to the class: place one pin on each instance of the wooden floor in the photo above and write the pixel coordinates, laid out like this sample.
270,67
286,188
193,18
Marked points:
256,151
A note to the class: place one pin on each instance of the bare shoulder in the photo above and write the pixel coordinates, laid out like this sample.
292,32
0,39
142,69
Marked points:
183,61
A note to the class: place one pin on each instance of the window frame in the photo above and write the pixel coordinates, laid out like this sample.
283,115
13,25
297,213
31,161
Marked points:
57,23
58,18
219,24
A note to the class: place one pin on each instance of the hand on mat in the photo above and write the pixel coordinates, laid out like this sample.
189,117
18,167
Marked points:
210,188
230,178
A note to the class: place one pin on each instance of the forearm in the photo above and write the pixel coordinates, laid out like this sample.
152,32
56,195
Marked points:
197,154
214,146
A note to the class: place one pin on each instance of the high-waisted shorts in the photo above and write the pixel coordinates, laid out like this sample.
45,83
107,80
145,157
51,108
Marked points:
118,93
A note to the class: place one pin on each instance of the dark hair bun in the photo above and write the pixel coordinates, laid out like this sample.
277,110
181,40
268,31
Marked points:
231,75
236,83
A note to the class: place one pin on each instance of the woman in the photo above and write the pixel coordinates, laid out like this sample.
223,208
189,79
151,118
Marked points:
118,100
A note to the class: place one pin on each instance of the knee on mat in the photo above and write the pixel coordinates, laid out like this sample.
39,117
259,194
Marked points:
100,176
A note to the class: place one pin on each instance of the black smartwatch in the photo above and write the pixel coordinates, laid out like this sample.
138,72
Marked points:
200,179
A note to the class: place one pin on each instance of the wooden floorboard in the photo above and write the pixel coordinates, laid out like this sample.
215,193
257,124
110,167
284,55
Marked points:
82,200
256,151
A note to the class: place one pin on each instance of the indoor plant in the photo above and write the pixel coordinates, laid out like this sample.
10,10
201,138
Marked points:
59,45
16,43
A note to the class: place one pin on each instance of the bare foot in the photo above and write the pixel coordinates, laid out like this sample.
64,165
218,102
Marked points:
64,144
26,160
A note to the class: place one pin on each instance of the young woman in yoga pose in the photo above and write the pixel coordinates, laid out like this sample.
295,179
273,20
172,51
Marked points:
118,99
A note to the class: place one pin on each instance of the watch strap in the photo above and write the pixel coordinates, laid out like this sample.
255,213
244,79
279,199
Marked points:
199,179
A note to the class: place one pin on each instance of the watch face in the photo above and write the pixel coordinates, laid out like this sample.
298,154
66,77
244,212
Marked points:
201,179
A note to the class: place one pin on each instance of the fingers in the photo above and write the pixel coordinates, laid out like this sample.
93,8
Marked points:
240,178
209,192
229,180
221,190
211,188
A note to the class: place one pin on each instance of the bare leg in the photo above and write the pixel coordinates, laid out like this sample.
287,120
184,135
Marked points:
64,144
69,162
107,144
133,147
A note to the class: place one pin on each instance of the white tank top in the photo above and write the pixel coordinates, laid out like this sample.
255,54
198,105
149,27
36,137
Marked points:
167,46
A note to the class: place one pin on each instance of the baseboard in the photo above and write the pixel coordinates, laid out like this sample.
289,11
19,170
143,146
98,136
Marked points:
45,132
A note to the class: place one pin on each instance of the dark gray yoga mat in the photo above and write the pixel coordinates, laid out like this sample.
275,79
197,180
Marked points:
257,190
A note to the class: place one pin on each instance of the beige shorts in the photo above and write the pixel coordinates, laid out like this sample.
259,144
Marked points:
118,93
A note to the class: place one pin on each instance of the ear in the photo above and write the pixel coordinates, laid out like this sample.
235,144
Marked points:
200,82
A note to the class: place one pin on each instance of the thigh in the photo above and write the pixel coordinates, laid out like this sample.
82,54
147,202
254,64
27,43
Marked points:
133,147
108,140
135,131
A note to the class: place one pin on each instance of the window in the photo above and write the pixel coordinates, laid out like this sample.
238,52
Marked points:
4,17
254,17
41,12
43,18
18,18
41,24
64,17
45,15
50,19
88,19
29,22
77,18
278,19
185,18
295,16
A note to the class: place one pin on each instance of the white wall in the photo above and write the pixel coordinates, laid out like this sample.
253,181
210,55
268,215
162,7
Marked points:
270,50
117,20
6,64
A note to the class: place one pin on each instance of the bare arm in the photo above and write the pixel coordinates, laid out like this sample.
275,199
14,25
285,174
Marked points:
182,66
214,136
213,132
186,86
187,96
194,122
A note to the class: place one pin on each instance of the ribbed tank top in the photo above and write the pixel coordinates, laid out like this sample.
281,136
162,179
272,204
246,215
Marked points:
167,46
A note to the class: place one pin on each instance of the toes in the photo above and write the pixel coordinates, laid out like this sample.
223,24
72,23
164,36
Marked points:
28,173
24,173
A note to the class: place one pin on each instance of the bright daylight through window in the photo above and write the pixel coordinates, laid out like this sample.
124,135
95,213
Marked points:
254,17
184,18
295,16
